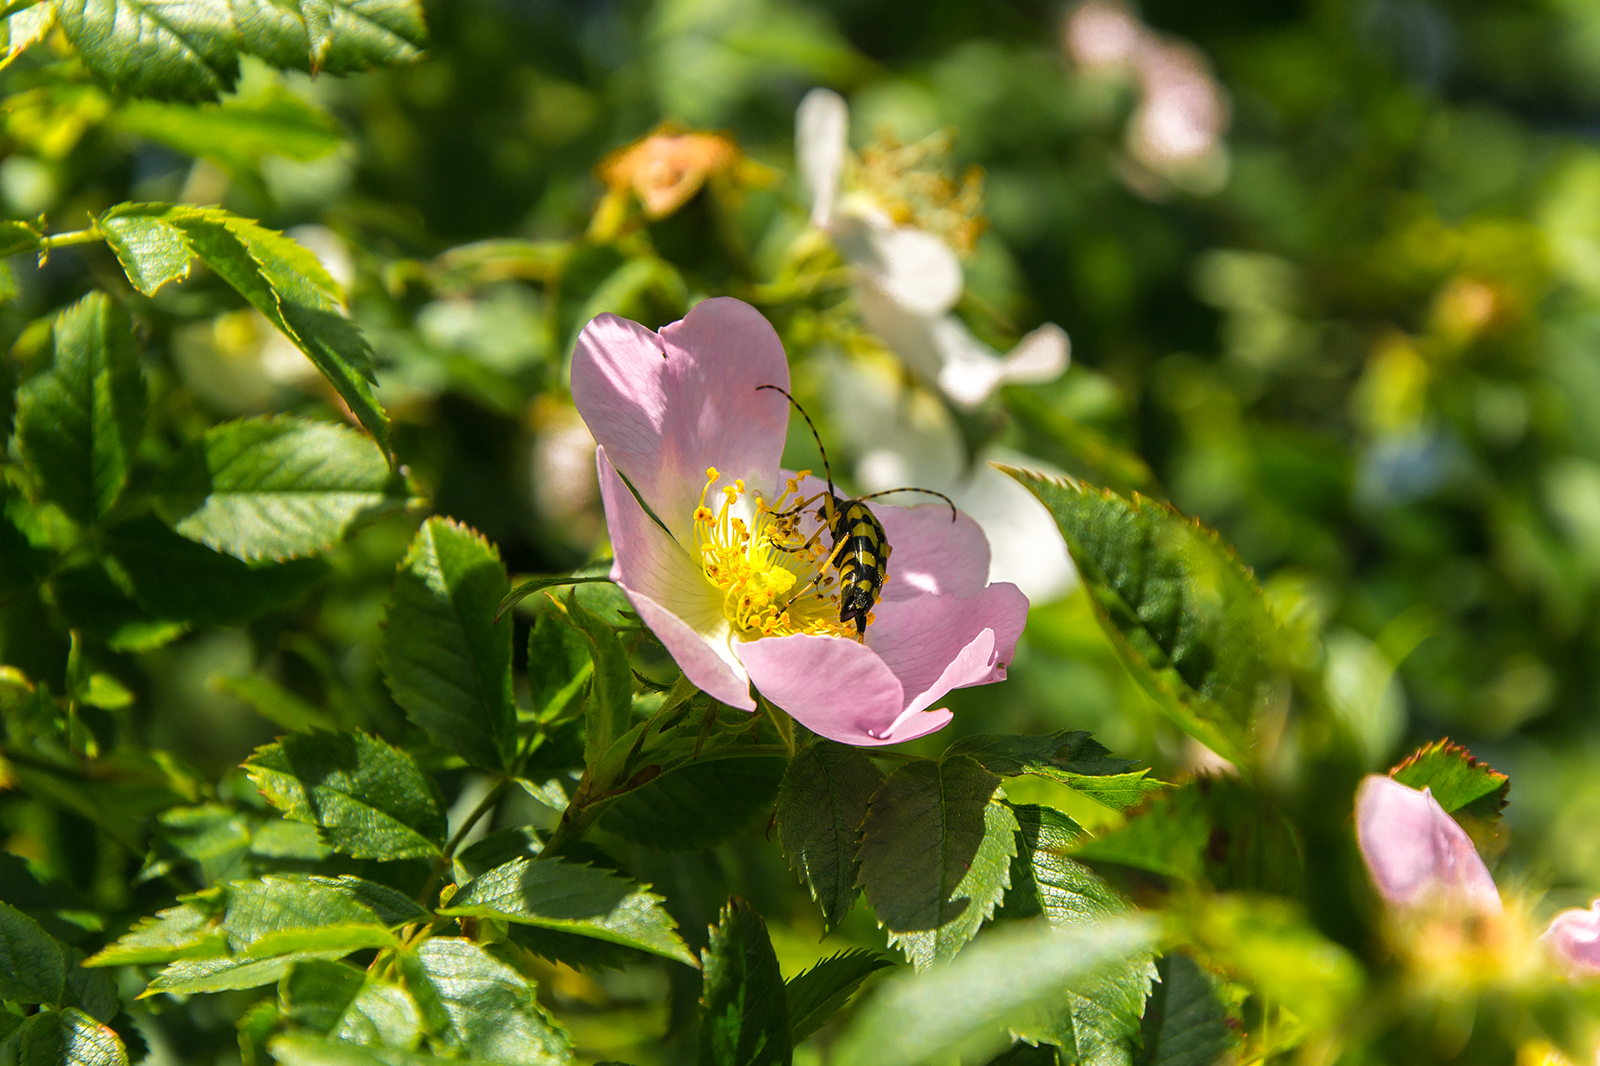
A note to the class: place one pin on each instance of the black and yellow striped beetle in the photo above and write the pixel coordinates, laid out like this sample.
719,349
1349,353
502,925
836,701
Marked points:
860,546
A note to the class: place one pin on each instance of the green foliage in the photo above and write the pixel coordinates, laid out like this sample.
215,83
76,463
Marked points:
697,806
1458,781
146,49
559,665
370,800
1184,1023
822,804
62,1038
477,1006
1187,615
816,995
445,658
31,970
746,1021
572,898
936,848
277,488
1071,757
611,696
79,423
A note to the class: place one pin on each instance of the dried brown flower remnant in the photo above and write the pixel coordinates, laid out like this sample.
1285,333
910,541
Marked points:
910,184
666,169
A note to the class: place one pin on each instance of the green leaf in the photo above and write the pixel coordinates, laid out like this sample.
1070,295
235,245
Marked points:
90,991
1185,613
332,36
239,132
191,51
815,995
746,1019
281,915
1025,1054
1168,838
446,661
936,848
1100,1016
393,907
228,973
32,969
282,280
151,251
697,806
1184,1024
558,664
1072,757
573,898
275,703
480,1006
175,579
339,1000
1458,781
967,1006
821,805
18,236
79,423
370,800
277,488
62,1038
151,48
611,699
187,931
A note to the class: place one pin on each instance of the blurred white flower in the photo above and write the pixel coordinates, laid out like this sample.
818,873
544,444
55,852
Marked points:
905,436
566,491
1175,134
908,278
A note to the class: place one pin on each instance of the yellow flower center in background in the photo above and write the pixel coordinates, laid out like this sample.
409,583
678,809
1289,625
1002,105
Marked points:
775,581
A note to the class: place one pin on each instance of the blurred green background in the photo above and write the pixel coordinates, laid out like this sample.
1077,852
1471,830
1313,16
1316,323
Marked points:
1331,269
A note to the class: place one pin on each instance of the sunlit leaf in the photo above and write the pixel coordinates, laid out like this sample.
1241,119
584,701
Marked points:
1458,781
480,1006
816,994
1072,757
63,1038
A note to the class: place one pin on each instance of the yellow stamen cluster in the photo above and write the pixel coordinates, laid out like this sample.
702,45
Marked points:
909,181
775,581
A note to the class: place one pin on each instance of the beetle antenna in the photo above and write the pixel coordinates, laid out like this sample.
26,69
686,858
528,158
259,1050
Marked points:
908,488
814,436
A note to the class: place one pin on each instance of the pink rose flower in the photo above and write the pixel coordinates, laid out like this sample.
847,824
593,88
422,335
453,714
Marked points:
1417,853
1573,939
725,580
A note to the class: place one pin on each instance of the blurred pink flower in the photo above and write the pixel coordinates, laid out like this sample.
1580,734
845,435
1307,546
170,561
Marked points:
713,567
1573,939
1416,853
1099,33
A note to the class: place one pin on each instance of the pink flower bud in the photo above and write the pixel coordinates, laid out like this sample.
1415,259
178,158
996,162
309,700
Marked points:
1574,940
1416,852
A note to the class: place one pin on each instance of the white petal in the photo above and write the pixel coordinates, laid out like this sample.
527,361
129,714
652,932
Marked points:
821,137
1039,357
969,370
914,268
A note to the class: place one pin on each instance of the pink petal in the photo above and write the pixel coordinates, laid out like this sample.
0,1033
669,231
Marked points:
667,406
1415,851
936,643
671,594
930,553
835,688
1574,939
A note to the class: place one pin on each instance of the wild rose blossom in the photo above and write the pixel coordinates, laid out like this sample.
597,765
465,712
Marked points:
1416,853
908,277
737,590
1573,940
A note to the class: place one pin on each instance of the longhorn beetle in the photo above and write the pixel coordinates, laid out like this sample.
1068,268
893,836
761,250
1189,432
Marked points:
860,546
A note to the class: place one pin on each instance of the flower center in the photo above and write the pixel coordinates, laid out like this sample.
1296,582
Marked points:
775,580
